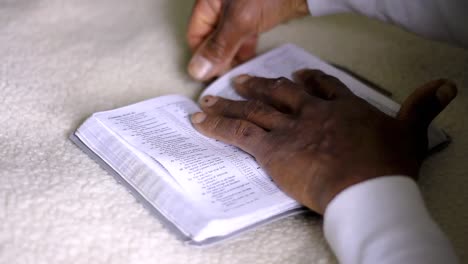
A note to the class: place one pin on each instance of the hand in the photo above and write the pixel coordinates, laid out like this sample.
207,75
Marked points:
222,33
315,138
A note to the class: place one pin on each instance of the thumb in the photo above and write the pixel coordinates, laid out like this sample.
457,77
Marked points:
426,102
219,49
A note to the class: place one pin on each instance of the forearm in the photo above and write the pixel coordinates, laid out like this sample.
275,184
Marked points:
443,20
384,220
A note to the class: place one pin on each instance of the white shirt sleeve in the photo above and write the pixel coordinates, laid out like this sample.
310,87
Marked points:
443,20
384,220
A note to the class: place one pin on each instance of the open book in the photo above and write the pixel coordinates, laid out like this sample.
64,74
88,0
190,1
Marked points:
202,189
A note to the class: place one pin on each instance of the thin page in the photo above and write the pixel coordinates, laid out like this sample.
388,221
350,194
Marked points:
220,177
152,183
285,60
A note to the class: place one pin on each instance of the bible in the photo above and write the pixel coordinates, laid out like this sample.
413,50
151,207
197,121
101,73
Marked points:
202,189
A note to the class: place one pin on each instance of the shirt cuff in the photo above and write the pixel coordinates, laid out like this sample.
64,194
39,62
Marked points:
384,220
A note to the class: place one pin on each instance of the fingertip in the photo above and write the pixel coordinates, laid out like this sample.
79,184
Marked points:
305,77
241,79
446,92
200,68
198,118
306,73
426,102
208,100
299,75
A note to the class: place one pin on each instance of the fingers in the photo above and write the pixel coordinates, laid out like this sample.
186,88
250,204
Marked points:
320,84
240,133
216,52
426,102
205,16
253,111
247,50
283,94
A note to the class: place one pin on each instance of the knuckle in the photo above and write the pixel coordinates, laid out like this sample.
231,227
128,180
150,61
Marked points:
291,124
330,124
223,106
216,49
316,110
278,87
252,108
215,124
242,131
246,19
242,17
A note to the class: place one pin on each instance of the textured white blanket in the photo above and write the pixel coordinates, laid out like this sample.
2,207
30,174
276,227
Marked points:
60,61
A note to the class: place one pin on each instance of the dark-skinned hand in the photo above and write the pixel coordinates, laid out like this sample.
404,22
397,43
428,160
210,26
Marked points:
315,138
223,33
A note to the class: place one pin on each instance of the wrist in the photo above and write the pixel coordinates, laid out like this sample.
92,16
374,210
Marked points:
336,189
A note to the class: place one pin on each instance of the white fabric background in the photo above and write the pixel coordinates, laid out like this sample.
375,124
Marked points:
60,61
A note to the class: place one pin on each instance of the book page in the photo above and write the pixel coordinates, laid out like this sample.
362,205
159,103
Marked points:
285,60
221,177
142,176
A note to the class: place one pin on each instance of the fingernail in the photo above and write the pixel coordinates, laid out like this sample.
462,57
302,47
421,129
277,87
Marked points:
241,79
198,117
199,67
446,92
209,100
